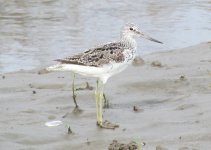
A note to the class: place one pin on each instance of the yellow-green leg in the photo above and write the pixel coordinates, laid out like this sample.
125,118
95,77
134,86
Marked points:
99,108
76,109
73,89
101,103
96,100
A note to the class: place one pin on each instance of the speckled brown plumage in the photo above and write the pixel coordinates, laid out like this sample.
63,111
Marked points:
99,56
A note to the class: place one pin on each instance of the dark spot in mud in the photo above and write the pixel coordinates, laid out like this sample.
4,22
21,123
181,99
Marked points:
88,142
183,148
200,113
183,78
60,77
34,92
124,129
3,77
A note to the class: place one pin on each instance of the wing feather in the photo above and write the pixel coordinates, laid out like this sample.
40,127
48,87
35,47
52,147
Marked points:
99,56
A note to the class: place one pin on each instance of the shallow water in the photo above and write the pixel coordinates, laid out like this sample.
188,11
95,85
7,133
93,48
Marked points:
35,32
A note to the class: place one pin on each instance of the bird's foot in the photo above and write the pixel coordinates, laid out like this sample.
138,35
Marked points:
77,110
107,125
106,102
106,105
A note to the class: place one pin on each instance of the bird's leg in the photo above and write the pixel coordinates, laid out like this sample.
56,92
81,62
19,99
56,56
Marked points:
106,102
76,109
96,100
101,103
101,123
73,89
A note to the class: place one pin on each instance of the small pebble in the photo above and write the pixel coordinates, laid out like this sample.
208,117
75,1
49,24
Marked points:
137,109
34,92
138,61
156,64
183,78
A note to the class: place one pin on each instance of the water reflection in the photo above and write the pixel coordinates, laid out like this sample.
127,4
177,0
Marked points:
35,32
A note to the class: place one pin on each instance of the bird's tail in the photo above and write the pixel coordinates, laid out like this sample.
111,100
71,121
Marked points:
57,67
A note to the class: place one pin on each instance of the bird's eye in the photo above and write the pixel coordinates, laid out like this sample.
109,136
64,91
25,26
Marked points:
131,29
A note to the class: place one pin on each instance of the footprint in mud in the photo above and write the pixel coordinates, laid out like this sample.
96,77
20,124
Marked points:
185,148
159,147
47,86
13,136
185,106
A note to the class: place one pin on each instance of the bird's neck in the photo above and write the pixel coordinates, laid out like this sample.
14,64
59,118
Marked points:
128,41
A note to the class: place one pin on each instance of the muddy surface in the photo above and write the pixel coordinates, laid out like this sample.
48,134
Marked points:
175,99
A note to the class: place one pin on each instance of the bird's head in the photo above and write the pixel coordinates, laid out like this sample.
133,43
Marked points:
132,30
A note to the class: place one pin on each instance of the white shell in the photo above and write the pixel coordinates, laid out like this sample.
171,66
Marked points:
53,123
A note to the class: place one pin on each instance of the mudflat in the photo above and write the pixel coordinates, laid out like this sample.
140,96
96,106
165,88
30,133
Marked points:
163,101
